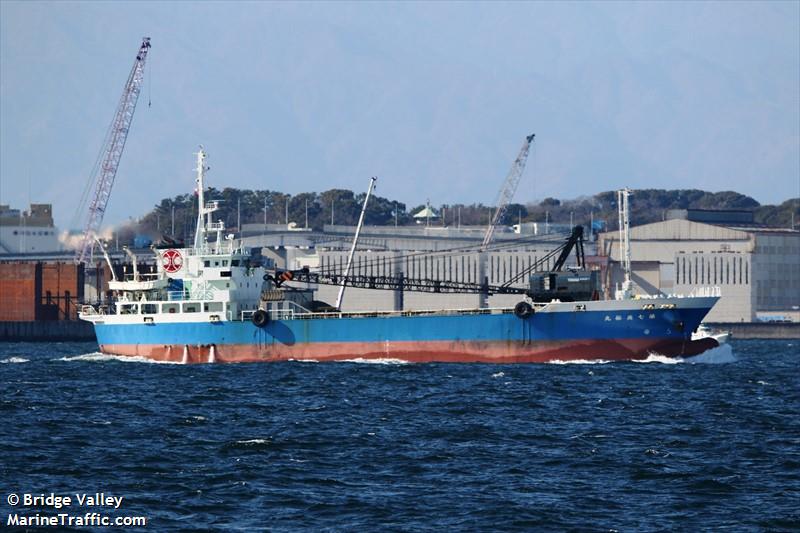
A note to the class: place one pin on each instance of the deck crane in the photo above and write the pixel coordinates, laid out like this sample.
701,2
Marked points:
103,173
575,283
509,188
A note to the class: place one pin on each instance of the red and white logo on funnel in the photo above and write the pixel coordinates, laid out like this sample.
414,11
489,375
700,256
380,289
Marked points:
172,261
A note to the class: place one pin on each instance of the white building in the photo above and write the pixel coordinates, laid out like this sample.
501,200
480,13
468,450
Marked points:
756,268
23,232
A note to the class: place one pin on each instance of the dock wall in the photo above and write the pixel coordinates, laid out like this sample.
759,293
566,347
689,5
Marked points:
49,330
756,330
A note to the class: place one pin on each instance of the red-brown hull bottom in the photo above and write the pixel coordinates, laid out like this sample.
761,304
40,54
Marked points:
419,352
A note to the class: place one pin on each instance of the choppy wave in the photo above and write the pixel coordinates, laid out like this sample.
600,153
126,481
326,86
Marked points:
97,357
658,358
579,362
386,361
253,441
718,355
714,356
327,446
14,360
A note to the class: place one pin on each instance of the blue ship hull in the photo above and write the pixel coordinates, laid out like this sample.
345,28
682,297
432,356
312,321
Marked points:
617,330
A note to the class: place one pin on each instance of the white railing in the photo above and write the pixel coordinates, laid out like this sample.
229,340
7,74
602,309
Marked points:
186,296
715,290
142,276
90,310
298,312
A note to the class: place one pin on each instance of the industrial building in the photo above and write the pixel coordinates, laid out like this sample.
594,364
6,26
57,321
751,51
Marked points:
32,231
756,268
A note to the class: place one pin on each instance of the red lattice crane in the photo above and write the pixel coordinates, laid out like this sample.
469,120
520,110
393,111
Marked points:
509,188
104,173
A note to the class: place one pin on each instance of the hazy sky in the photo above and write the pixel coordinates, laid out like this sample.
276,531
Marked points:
434,98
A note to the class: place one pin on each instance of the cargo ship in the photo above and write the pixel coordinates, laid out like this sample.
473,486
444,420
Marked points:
216,302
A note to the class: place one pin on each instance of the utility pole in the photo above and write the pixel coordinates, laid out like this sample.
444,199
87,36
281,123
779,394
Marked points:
306,213
287,211
172,233
428,213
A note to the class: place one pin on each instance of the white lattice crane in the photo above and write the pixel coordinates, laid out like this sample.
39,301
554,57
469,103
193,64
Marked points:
509,188
111,152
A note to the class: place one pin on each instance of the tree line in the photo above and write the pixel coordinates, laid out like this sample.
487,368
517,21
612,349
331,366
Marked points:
176,217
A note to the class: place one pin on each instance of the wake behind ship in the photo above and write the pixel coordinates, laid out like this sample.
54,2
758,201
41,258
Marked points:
215,302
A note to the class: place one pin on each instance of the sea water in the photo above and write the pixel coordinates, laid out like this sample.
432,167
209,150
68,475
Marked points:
711,442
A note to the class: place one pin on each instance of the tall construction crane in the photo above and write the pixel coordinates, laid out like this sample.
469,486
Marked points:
110,154
508,189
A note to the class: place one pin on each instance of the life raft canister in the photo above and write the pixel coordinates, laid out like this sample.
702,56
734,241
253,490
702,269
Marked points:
523,310
260,318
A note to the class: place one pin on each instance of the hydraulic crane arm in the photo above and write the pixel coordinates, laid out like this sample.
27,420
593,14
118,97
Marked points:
575,240
111,153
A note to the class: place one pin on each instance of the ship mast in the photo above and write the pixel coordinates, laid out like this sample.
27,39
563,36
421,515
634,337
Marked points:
200,230
204,209
355,242
625,243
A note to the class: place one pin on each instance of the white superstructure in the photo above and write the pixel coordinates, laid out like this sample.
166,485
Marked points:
212,281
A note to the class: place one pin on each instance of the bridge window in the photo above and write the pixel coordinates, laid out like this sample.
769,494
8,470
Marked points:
212,307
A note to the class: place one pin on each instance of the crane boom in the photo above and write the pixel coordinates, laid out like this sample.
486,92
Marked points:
394,283
508,189
403,283
111,153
